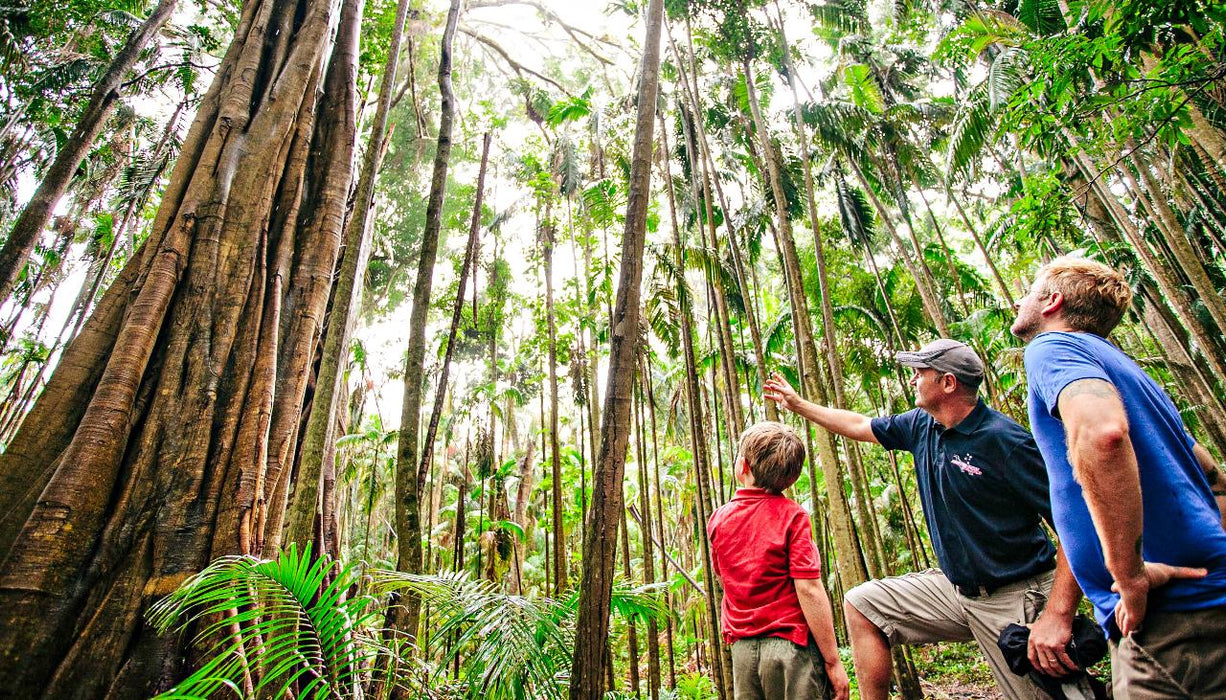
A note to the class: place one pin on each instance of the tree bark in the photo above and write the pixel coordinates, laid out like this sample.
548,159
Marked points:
319,430
162,458
591,652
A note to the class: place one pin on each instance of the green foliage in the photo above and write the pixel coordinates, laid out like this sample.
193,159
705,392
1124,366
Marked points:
509,646
294,613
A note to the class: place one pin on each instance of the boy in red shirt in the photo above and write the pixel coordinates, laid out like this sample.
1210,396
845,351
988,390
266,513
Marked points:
776,614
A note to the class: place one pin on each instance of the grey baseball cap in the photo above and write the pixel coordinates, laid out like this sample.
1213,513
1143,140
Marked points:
945,355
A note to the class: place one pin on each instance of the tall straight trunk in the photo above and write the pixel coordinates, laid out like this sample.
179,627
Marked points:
704,146
695,412
983,249
632,631
700,192
146,485
655,459
33,219
850,560
834,362
319,431
468,264
408,483
591,654
645,530
555,453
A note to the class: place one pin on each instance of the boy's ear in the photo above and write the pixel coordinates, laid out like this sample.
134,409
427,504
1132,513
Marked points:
742,464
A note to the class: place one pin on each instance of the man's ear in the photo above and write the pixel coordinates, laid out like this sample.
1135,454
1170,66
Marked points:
1055,302
949,383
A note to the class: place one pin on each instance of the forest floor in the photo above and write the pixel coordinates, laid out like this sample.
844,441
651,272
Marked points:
954,671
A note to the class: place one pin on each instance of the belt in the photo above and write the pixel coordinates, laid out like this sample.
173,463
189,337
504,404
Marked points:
984,591
977,591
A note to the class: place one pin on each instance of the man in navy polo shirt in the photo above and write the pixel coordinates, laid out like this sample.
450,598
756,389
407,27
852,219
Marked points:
1138,504
984,492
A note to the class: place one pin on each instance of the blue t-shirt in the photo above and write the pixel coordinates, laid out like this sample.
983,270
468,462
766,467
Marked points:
983,489
1181,523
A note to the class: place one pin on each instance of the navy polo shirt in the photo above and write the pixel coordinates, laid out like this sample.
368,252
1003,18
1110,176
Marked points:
983,487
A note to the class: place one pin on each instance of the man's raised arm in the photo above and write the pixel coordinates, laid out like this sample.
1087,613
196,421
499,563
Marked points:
846,423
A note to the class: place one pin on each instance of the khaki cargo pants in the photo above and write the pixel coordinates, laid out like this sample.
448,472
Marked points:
1175,655
924,608
773,668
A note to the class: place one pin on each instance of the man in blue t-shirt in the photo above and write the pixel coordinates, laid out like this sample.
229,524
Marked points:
984,492
1139,506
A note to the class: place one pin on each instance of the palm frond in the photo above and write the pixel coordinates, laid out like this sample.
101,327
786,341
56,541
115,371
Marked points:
1006,76
973,127
292,611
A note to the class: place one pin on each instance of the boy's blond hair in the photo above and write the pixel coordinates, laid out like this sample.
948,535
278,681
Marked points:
1095,295
774,453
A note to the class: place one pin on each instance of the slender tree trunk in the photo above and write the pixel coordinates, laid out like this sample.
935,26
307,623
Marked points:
695,412
33,219
932,305
408,484
645,530
560,575
591,654
850,560
655,455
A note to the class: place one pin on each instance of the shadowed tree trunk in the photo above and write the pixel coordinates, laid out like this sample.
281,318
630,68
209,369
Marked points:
164,427
595,591
33,219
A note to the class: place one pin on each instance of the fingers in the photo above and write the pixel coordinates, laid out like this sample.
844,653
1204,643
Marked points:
1063,665
1160,574
1050,660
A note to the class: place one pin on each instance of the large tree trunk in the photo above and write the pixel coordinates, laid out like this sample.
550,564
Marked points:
595,591
319,430
408,481
164,426
33,219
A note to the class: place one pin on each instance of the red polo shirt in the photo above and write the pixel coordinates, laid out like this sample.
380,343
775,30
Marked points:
760,541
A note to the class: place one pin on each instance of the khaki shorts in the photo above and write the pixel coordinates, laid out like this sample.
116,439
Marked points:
773,668
1175,655
924,607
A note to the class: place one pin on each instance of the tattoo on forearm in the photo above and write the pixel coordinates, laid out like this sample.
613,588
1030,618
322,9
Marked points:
1090,387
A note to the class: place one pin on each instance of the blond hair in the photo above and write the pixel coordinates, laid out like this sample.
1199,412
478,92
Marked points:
774,453
1095,295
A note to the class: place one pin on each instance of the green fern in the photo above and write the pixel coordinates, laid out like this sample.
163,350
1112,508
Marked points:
295,627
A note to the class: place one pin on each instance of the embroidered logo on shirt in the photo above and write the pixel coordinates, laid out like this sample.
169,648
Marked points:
963,462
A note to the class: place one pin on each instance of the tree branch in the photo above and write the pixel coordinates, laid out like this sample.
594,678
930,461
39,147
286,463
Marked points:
575,33
519,68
